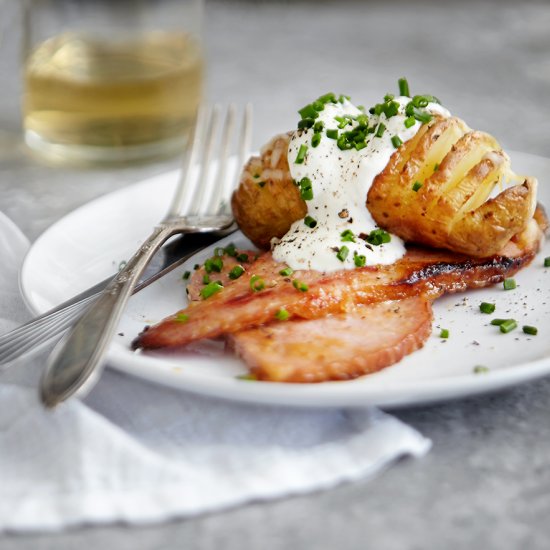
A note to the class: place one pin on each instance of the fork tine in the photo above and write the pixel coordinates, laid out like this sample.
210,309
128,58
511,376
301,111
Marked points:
203,181
245,138
221,170
185,189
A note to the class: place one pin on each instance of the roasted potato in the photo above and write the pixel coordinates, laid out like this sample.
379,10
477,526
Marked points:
435,191
267,202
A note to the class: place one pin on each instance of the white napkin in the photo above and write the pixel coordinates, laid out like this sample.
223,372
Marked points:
141,453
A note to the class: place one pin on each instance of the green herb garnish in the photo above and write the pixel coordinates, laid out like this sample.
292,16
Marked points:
347,236
342,253
210,289
378,237
486,307
310,222
236,272
282,314
257,283
509,284
299,285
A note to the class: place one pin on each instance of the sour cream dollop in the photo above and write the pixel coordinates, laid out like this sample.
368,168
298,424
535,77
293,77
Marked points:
340,180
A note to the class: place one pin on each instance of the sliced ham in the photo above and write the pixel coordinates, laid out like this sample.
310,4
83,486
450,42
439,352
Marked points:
336,347
237,307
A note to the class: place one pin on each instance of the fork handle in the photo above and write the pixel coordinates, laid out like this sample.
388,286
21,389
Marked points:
77,360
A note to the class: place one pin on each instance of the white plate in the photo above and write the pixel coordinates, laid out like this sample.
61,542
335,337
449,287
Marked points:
88,244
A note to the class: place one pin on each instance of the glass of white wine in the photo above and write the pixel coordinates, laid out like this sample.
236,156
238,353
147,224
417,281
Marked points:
111,80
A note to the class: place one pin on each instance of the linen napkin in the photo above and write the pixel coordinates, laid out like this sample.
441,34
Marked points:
140,453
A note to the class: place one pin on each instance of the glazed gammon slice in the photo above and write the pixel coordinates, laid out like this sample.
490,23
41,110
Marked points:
337,347
238,307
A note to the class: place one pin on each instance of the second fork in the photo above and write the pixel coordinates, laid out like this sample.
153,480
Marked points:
200,204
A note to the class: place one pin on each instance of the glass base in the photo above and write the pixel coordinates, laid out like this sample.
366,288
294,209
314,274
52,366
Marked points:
92,155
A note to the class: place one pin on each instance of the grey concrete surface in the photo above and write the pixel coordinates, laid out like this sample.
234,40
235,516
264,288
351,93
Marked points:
486,482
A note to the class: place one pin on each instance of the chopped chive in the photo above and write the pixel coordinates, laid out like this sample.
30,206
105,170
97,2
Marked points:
419,114
498,322
359,260
298,285
342,121
328,98
205,279
301,154
318,126
219,251
236,272
347,236
436,167
508,326
242,257
306,189
186,275
250,377
286,271
403,87
547,262
316,139
305,123
332,134
210,289
509,284
181,318
282,314
378,237
444,333
530,330
486,307
416,186
257,283
342,253
213,264
423,117
344,143
308,111
196,266
409,122
396,141
391,109
318,105
480,369
360,145
231,250
380,130
310,222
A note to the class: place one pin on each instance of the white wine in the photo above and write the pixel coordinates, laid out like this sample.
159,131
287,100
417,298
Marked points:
95,98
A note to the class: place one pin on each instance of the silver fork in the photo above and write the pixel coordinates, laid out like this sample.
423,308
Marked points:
200,205
29,337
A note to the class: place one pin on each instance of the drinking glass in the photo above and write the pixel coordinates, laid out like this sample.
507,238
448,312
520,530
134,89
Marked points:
111,80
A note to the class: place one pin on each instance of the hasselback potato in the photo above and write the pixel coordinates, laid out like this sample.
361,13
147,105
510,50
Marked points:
436,190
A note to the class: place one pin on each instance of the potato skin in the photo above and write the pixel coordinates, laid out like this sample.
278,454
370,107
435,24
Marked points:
267,202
